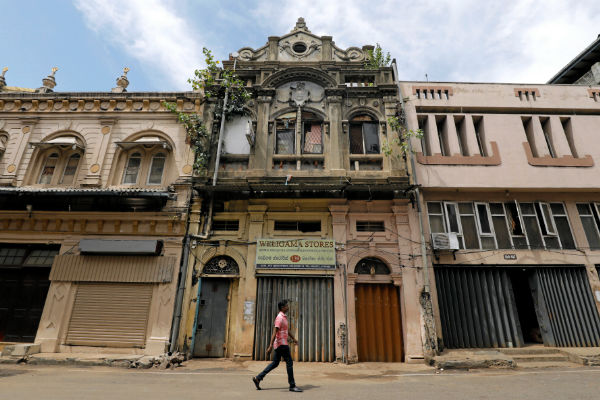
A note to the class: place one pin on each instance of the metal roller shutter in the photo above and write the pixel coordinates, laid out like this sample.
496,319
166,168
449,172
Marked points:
570,305
477,308
310,316
111,315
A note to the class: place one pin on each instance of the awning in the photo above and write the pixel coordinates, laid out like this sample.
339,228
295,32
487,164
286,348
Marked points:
64,142
145,141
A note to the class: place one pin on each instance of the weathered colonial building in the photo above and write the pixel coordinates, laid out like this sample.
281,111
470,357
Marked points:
305,206
94,193
510,199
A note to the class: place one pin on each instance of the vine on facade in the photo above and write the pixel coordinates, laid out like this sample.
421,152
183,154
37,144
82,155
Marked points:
212,81
401,141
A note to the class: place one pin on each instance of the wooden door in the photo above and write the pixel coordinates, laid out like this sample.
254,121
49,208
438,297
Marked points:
212,318
378,323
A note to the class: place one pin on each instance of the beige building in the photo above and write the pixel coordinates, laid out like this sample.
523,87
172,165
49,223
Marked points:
305,207
510,199
94,195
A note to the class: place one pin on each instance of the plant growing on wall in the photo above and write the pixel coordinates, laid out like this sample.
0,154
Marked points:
401,141
213,81
377,59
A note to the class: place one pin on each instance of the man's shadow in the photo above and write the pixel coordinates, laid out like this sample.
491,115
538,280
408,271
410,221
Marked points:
305,388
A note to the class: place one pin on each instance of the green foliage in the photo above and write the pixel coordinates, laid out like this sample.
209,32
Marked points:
400,142
197,136
214,81
377,59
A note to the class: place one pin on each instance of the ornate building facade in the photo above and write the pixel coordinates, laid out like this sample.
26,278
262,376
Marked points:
307,207
94,190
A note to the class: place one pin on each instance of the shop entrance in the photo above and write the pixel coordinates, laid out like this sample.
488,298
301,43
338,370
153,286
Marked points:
211,324
522,280
378,323
24,284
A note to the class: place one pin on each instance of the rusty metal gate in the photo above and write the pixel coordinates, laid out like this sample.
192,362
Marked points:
310,316
477,307
378,323
572,312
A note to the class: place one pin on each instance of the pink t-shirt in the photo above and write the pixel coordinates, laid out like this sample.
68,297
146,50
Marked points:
281,337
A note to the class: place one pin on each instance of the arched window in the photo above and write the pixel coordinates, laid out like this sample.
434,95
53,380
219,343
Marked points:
68,175
48,169
222,265
371,266
3,141
364,135
132,170
157,167
310,140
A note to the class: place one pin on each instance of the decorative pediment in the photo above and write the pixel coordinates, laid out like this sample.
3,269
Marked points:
303,46
300,93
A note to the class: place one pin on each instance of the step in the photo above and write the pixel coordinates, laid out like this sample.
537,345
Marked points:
20,350
547,364
529,350
539,357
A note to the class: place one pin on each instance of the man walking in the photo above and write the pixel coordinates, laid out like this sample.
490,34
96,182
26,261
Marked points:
279,342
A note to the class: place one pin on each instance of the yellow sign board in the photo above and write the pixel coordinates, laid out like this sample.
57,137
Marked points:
295,253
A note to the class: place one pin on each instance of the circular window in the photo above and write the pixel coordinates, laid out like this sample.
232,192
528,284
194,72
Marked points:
299,47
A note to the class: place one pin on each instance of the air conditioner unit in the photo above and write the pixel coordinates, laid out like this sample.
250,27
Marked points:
445,241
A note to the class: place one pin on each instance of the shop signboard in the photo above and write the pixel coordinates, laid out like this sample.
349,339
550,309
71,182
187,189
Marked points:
295,253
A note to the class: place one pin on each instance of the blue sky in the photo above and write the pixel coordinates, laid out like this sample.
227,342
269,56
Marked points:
161,41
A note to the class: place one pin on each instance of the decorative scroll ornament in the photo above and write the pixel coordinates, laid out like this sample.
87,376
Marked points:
222,265
371,266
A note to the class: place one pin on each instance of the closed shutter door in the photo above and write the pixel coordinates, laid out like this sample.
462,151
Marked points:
570,305
111,315
310,316
477,308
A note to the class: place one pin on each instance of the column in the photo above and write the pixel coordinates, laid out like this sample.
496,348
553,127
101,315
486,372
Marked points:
341,290
337,150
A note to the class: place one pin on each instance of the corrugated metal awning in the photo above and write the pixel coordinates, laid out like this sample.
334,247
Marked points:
134,269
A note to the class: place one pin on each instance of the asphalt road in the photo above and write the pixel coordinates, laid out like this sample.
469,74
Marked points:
26,382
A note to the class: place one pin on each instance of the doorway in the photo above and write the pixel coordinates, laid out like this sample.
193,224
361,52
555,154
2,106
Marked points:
211,324
378,323
521,279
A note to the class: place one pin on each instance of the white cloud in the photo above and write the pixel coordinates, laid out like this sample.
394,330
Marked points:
151,32
453,40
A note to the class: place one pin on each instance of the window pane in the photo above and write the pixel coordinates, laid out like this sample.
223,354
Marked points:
356,139
285,142
70,169
452,218
513,219
584,209
533,232
564,232
552,242
501,230
133,169
48,170
436,223
434,208
527,208
591,232
371,138
465,208
313,139
487,243
469,232
484,221
156,169
496,208
520,242
557,208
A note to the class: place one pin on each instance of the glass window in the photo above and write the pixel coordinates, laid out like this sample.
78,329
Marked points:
48,170
500,226
285,140
70,170
313,138
436,218
590,226
452,217
157,168
132,169
364,136
40,257
12,256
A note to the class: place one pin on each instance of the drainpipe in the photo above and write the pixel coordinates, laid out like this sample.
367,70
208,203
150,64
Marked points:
424,262
182,279
220,143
